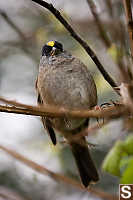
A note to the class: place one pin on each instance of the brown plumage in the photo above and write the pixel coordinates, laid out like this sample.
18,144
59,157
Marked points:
65,81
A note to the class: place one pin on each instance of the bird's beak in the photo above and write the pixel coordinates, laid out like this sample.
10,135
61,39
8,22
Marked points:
53,51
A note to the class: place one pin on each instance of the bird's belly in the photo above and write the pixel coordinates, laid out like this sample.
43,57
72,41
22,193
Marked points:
69,92
65,124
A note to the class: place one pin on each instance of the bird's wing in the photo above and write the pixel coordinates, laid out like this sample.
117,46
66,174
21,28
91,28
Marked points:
46,122
48,126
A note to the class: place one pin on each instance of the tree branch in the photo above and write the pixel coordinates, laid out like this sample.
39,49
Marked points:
90,52
129,17
99,24
54,111
109,5
24,40
56,176
11,23
89,131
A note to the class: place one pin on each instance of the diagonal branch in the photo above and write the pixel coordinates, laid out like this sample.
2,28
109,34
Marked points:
129,17
90,52
55,176
106,40
109,5
10,22
24,40
89,130
99,23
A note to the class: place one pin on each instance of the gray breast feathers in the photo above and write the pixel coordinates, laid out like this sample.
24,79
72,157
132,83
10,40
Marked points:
67,82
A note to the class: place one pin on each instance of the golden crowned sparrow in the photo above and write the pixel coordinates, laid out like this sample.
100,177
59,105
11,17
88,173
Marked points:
65,81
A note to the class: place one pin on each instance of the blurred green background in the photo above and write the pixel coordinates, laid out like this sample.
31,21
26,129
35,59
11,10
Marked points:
24,28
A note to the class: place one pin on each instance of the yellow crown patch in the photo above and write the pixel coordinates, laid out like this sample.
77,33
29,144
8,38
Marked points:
51,43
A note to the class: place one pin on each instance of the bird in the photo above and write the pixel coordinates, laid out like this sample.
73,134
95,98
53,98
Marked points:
64,81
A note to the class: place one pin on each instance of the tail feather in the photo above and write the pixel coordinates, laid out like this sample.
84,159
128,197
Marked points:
86,167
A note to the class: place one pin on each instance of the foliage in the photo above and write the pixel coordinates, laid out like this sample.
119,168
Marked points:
119,160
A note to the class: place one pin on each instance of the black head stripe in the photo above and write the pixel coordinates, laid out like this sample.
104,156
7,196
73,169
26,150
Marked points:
46,50
58,45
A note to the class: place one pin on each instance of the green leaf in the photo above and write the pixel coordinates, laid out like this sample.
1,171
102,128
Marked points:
111,163
127,176
124,163
129,145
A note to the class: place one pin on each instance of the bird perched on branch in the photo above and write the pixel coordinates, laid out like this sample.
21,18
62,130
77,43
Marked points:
64,81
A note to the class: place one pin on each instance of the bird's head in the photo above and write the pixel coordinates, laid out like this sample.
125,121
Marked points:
52,48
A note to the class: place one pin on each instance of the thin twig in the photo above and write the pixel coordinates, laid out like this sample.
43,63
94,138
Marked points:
124,74
89,130
90,52
56,176
126,91
106,39
99,24
54,111
109,5
6,193
11,23
129,17
24,43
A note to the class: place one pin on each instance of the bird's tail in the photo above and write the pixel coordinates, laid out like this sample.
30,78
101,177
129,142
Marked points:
86,167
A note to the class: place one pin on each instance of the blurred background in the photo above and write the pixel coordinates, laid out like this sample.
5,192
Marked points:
24,28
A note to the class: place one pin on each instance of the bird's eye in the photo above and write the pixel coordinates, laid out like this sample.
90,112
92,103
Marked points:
46,50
